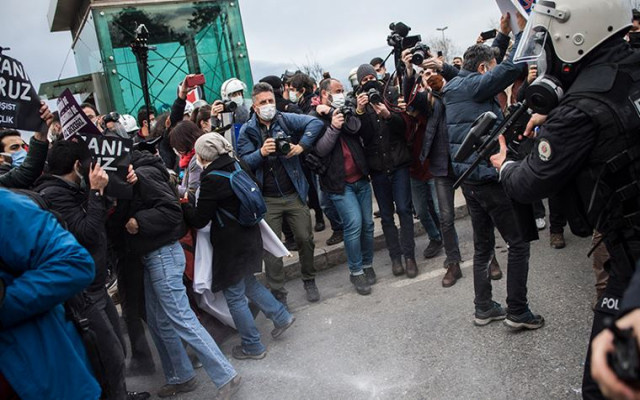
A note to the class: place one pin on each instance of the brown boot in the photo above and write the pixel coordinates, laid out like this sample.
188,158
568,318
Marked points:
453,274
412,267
557,241
396,267
494,270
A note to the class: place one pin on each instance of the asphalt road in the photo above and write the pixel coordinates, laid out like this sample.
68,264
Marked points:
413,339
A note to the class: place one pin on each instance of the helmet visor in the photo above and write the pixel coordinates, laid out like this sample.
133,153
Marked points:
533,39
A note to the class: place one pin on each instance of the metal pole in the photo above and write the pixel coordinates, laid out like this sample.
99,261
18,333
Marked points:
444,43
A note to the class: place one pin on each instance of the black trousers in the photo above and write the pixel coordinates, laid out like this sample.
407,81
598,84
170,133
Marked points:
490,207
103,321
131,292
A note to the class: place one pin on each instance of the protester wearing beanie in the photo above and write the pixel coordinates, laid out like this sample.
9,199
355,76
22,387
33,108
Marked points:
234,261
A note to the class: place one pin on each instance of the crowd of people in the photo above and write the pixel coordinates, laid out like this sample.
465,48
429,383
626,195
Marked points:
305,145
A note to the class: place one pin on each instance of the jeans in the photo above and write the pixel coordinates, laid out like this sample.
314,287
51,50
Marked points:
446,195
426,207
292,210
490,207
330,211
237,295
356,212
170,319
390,189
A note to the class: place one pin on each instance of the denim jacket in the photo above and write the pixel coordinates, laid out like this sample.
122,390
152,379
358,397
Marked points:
304,130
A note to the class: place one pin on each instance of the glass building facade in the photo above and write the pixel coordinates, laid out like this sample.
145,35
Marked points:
188,37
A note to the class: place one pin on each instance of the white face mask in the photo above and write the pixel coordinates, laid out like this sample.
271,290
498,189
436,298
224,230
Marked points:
293,96
239,100
339,99
267,112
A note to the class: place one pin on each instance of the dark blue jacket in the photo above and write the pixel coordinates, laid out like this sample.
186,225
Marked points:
41,353
304,130
470,94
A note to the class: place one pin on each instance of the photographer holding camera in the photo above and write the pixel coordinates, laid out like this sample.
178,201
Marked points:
271,143
435,147
388,158
346,181
588,142
466,97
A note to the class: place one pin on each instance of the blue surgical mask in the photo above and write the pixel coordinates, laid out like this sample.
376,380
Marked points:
380,76
293,96
18,157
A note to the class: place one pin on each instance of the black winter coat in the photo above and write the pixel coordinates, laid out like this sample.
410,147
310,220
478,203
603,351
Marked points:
85,216
384,142
25,175
155,206
237,249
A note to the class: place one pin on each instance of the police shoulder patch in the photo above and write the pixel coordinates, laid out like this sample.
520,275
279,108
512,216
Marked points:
544,150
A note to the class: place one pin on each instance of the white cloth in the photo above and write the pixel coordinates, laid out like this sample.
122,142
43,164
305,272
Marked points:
212,303
271,242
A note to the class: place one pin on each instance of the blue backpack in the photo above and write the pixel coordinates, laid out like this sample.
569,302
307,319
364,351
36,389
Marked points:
252,205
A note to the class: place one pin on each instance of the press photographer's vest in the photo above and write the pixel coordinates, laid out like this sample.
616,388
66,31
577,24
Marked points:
609,182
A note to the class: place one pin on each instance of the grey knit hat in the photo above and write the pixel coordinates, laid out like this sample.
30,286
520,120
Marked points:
212,145
365,70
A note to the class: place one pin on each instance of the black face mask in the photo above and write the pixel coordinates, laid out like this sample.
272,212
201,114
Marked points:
371,85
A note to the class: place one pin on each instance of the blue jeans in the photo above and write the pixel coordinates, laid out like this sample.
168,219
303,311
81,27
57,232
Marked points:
170,319
390,189
330,211
236,296
426,206
356,212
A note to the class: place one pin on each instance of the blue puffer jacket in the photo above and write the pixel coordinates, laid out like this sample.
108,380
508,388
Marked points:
41,353
470,94
304,130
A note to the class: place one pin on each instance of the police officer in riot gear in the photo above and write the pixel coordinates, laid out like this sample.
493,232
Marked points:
588,104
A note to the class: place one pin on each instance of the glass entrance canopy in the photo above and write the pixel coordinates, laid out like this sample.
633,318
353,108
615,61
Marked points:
189,37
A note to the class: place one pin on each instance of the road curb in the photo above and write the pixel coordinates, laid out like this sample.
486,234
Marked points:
329,257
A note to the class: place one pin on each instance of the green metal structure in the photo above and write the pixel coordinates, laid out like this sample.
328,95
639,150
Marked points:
189,37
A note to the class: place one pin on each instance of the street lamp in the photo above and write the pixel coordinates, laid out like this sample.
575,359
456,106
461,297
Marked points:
444,43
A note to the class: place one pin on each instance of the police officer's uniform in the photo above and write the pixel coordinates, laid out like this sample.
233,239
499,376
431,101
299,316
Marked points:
591,143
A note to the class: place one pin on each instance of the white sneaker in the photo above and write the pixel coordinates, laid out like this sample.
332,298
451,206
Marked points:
540,223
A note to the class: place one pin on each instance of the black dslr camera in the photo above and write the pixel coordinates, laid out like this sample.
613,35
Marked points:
229,106
283,143
111,117
373,94
419,52
347,111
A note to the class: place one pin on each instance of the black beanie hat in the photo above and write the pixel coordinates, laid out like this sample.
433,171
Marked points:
365,70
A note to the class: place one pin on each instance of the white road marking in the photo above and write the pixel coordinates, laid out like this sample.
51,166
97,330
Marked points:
429,275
